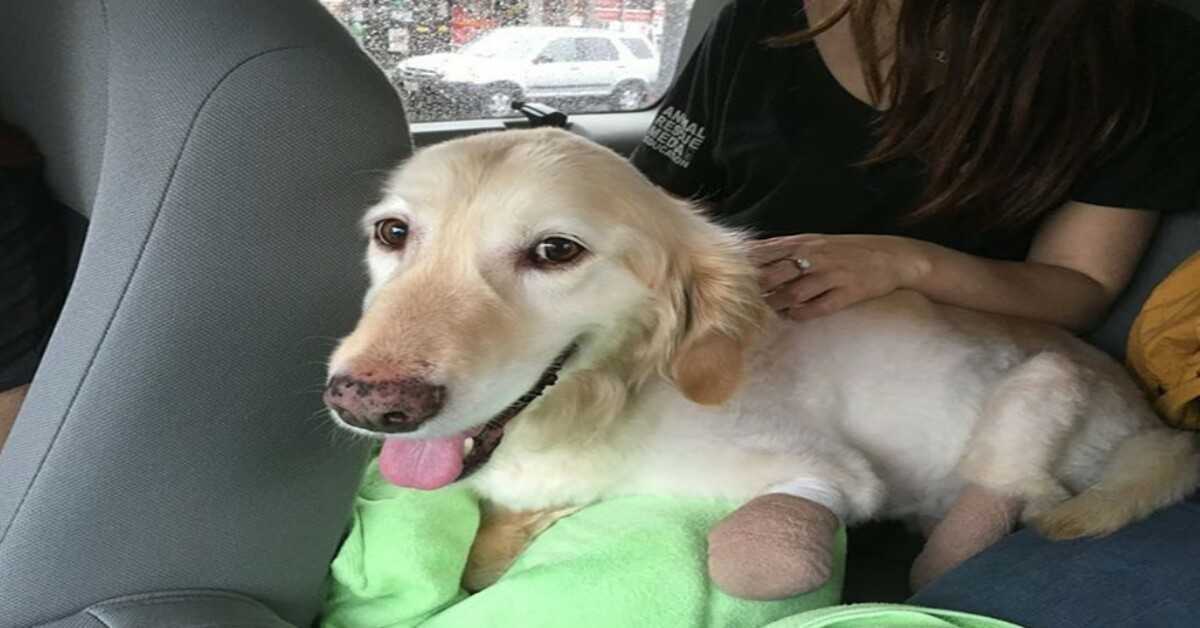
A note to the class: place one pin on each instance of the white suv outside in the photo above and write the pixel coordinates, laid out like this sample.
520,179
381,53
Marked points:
535,63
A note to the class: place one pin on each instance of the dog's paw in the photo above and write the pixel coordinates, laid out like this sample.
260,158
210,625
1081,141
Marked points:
1059,526
479,577
501,537
1086,515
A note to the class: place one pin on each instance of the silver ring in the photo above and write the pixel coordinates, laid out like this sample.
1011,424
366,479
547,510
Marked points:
802,264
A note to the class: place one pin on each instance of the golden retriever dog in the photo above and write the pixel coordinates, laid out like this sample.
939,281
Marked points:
549,327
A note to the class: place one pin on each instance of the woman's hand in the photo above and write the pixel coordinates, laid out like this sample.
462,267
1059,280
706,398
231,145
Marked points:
806,276
1081,258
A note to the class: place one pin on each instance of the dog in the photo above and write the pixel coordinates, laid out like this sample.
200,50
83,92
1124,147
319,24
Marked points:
546,325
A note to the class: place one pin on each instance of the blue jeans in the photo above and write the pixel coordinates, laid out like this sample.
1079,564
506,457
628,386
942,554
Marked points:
1146,575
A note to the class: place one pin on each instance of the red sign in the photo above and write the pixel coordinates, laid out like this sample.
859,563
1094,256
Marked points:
464,26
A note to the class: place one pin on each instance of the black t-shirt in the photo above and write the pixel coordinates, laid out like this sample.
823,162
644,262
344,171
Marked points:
32,254
768,140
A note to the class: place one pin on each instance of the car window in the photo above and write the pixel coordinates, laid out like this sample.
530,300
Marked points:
596,49
559,51
638,47
466,59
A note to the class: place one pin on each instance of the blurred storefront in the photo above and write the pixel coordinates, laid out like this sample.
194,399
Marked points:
403,28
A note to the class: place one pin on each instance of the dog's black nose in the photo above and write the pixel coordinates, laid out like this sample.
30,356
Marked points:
389,405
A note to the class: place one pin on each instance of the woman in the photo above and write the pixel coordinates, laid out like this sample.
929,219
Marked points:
1011,157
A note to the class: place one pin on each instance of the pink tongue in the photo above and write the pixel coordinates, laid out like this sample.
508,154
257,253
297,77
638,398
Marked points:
423,464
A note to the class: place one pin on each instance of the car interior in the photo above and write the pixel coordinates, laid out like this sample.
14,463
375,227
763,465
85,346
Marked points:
172,464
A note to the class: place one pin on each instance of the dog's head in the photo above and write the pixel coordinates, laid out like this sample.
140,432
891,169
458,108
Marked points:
503,263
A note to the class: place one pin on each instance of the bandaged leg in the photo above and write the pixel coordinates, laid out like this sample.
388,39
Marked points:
778,544
978,519
1024,425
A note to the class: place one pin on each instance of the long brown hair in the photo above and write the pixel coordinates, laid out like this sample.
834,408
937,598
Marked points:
1034,93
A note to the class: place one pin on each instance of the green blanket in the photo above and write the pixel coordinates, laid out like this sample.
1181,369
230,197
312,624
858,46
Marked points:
625,562
887,616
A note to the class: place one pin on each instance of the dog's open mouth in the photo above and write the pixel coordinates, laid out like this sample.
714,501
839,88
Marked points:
433,463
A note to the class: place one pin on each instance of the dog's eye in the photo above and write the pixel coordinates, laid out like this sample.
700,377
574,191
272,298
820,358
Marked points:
555,252
391,233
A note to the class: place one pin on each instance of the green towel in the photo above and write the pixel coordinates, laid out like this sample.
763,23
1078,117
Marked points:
626,562
887,616
622,563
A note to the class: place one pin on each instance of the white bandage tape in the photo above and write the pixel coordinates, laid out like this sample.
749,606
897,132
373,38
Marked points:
819,491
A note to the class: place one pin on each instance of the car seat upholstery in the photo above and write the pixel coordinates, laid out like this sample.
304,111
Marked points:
1177,238
170,465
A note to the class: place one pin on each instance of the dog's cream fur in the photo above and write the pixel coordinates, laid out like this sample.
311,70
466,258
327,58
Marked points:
685,384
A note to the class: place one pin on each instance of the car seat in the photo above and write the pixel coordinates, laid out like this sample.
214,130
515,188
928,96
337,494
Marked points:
170,466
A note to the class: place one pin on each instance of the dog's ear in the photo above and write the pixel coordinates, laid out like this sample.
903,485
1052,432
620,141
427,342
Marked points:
722,308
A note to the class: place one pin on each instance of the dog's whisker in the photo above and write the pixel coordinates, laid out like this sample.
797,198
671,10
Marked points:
322,424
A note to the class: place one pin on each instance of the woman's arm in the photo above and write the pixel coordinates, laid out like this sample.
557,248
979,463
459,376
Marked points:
10,404
1081,259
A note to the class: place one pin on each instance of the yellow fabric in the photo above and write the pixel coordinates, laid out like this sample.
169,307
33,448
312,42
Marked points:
1164,346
